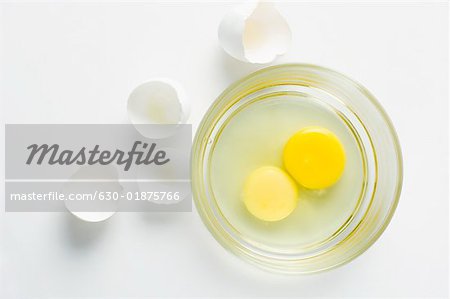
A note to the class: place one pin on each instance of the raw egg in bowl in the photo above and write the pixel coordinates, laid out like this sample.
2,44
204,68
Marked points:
296,168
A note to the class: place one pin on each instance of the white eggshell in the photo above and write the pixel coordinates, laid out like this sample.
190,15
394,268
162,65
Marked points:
93,216
157,101
89,173
254,32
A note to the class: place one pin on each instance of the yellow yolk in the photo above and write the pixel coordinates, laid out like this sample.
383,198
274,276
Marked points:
270,194
314,157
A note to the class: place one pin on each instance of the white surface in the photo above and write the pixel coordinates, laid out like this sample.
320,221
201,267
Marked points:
77,63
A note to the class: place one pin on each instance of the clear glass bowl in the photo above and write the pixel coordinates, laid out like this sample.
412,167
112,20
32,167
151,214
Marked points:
379,147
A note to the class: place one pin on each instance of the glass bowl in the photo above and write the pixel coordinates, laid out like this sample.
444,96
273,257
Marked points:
379,148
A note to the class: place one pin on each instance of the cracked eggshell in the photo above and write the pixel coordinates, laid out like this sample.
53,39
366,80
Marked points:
88,173
157,101
254,32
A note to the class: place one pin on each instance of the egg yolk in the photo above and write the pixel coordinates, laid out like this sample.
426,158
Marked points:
314,157
270,194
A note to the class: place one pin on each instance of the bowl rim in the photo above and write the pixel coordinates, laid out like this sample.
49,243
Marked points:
199,143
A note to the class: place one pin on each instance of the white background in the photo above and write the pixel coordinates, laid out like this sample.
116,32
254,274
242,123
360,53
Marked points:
77,63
